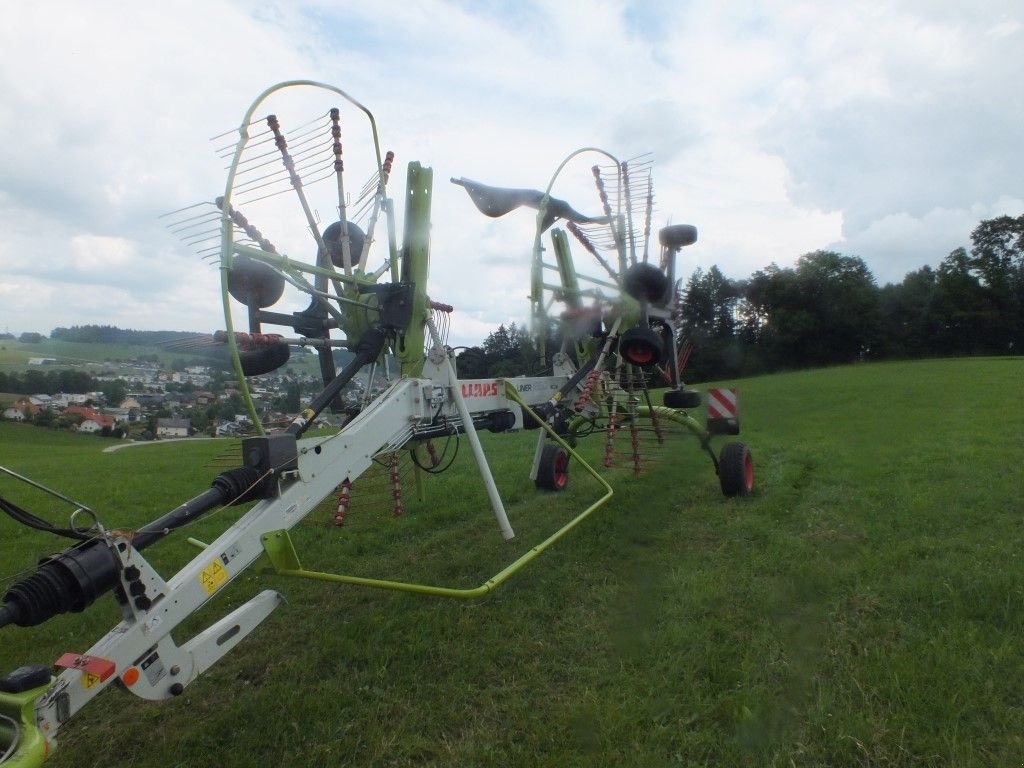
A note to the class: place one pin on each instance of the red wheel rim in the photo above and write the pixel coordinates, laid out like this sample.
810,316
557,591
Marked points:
639,355
748,472
561,471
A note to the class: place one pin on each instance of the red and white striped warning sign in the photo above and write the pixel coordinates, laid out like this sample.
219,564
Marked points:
721,404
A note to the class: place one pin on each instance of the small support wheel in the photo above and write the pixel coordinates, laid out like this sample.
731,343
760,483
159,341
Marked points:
553,472
683,399
736,470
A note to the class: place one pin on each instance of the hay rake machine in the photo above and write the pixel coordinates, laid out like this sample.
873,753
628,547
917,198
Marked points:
604,338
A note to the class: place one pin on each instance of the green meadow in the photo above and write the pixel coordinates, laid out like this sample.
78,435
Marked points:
865,607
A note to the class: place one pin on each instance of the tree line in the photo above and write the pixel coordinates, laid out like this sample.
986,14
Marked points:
52,382
827,310
109,334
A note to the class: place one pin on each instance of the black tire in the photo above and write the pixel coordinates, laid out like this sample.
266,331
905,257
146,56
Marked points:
736,470
553,472
265,359
683,399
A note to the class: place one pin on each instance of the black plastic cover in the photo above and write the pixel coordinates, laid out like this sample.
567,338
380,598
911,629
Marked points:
25,678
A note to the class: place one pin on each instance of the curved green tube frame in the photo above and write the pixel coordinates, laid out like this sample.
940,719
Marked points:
279,548
30,745
227,227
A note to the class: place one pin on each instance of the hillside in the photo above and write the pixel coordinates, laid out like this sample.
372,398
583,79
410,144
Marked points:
864,607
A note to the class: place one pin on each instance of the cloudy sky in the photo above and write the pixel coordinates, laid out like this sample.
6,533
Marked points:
885,130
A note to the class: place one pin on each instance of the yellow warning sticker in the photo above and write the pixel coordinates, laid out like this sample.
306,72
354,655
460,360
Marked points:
213,576
89,679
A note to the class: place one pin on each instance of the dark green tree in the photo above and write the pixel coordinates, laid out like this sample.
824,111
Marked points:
825,311
709,317
963,306
114,392
997,257
910,326
471,363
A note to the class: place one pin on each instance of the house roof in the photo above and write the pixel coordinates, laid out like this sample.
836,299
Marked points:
174,423
101,420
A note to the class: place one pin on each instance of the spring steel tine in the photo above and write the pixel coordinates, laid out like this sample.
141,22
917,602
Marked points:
182,210
372,185
258,188
589,246
268,135
363,210
299,169
313,146
313,160
252,146
178,229
273,155
326,172
191,223
234,130
275,173
251,186
371,224
201,237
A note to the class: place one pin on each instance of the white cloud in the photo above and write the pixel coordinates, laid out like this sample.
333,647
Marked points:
884,130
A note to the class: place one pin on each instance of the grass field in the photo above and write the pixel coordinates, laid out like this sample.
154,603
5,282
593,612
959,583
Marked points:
14,355
864,608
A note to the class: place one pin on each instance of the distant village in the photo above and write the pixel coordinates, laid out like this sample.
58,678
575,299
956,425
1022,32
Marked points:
161,404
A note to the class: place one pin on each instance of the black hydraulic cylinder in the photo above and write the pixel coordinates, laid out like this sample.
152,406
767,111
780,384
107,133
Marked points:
366,351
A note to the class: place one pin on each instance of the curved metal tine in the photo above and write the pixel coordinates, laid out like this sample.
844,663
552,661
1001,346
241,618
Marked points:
280,174
288,188
186,208
274,155
192,222
370,187
201,236
322,146
232,131
328,172
313,160
280,169
365,205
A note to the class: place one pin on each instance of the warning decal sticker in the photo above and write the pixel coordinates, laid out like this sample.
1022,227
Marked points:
213,576
89,679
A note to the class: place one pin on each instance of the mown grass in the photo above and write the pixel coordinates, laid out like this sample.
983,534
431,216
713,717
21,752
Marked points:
863,608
